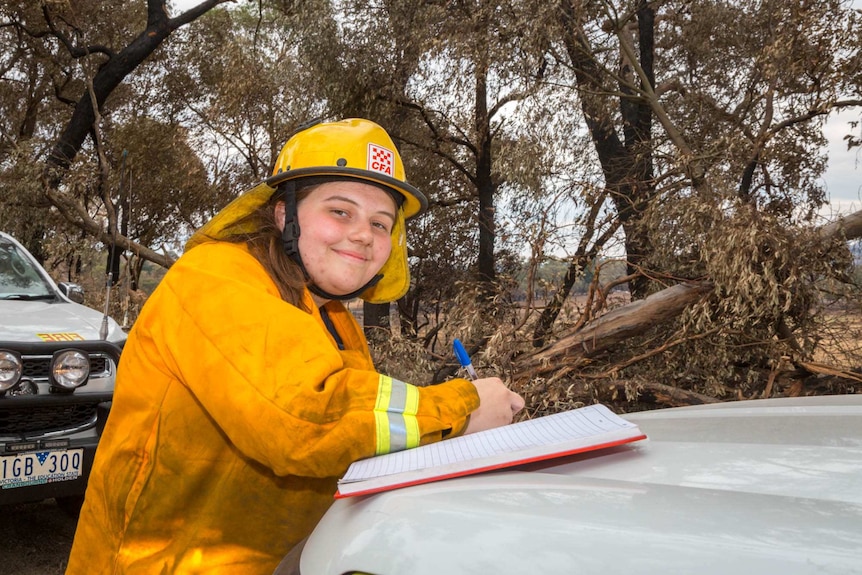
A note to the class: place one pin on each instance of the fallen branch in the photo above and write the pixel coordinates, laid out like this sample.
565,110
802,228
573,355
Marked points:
850,226
823,369
612,328
575,349
660,394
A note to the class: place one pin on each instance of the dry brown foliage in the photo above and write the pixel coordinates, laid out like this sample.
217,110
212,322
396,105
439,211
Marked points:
707,355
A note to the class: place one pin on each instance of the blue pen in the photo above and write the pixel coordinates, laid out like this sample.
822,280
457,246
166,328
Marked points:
464,359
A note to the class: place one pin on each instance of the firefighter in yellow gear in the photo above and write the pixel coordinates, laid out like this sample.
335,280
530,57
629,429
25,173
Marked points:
246,388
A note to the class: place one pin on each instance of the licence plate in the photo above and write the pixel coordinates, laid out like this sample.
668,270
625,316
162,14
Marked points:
40,467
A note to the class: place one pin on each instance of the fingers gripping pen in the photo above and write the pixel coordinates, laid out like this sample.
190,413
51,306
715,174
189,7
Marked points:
464,359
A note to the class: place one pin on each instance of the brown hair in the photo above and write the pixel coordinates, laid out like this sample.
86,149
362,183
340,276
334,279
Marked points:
265,244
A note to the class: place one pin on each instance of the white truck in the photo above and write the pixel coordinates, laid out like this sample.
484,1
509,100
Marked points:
770,486
58,363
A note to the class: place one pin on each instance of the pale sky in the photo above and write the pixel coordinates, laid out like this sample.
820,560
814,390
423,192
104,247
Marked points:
843,177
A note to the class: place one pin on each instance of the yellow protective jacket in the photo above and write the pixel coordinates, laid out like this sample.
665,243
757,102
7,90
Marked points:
234,414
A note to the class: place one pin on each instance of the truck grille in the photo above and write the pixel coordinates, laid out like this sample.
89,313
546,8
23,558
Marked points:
38,368
26,420
38,410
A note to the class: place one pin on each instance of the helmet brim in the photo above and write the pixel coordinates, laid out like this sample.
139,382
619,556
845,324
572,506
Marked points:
415,201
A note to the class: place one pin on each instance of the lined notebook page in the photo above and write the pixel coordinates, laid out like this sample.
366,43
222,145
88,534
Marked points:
584,422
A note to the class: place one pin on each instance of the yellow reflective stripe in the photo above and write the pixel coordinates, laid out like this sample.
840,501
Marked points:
395,421
411,422
381,421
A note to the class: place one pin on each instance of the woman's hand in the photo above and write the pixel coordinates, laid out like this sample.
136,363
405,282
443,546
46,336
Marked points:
497,405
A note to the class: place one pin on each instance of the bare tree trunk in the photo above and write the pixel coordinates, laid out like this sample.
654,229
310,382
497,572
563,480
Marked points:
627,162
375,319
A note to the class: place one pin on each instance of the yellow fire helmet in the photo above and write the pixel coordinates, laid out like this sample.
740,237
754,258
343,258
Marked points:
351,149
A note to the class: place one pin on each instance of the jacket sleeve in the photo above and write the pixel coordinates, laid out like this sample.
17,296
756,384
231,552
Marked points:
270,377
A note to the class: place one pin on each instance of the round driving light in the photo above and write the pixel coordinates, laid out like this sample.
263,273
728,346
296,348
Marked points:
70,368
11,368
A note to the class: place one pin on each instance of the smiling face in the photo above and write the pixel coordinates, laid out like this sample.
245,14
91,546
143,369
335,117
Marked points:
345,234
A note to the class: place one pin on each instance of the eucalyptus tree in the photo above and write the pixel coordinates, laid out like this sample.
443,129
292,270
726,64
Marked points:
454,72
446,79
67,83
237,80
34,90
707,122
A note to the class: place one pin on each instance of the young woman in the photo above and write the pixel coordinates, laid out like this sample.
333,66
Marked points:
246,388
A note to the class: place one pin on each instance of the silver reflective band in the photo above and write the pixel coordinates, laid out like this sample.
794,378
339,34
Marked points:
396,424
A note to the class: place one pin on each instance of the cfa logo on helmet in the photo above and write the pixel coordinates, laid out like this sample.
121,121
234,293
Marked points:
380,159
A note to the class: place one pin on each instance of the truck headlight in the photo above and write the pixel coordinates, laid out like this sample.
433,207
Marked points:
11,368
70,368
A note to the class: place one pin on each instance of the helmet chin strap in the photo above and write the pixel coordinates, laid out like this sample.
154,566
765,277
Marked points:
290,239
